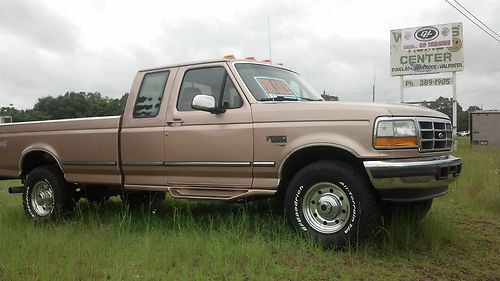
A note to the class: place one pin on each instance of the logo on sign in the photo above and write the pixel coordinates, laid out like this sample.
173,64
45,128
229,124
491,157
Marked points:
426,33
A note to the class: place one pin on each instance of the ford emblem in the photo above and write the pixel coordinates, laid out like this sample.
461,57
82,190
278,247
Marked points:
426,33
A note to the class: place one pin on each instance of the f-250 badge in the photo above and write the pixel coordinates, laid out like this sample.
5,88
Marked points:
277,140
3,144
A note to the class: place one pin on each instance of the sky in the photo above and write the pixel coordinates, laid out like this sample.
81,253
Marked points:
49,47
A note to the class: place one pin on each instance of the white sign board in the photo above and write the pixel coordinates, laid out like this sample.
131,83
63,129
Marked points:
426,37
428,82
427,49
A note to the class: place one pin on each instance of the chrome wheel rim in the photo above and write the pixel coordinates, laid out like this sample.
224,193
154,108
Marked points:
42,198
326,207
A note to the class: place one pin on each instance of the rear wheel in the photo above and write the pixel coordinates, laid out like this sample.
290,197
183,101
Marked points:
47,195
332,202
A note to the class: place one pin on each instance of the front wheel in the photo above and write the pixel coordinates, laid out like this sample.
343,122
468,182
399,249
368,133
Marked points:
332,202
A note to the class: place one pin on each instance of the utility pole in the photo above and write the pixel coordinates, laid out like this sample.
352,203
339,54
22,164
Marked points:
373,87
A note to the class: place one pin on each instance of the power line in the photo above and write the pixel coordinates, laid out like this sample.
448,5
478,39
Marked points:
485,31
470,13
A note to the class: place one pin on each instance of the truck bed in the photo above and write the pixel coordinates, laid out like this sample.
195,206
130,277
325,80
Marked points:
86,149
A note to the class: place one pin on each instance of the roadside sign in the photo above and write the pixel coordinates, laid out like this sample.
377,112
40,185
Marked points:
427,49
426,37
428,82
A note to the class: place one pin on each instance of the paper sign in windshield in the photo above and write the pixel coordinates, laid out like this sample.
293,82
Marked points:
274,86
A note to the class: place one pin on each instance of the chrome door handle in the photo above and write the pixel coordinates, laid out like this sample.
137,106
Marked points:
174,122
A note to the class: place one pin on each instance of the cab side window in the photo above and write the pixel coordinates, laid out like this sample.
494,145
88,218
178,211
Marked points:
212,81
148,102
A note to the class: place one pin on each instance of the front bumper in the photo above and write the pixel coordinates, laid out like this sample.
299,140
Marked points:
415,179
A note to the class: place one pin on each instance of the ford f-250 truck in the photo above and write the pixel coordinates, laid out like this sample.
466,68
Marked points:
238,129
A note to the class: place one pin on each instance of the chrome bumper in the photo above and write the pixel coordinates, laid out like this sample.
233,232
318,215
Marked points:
413,179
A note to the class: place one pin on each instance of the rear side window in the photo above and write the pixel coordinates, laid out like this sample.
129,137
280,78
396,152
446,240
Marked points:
150,94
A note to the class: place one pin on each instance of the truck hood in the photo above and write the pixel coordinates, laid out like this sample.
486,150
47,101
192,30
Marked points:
333,110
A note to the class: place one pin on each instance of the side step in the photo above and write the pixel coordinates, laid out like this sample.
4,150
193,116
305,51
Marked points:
206,193
16,189
217,194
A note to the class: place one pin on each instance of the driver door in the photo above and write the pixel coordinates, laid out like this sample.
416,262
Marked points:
204,149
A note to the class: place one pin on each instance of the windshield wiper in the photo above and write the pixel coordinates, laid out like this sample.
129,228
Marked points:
309,99
288,98
280,98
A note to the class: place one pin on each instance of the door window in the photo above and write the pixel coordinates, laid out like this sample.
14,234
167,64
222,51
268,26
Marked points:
212,81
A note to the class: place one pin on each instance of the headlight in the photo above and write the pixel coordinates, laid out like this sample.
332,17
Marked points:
397,133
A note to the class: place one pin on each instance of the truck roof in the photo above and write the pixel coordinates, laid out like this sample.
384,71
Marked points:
210,61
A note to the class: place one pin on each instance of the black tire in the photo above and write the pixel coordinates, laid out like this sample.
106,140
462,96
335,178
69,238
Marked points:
47,196
333,203
414,211
142,198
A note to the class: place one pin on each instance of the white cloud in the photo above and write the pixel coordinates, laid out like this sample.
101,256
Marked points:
48,47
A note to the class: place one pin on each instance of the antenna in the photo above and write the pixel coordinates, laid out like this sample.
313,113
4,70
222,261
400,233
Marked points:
269,33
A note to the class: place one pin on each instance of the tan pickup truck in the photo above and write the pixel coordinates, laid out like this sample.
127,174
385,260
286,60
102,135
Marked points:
237,129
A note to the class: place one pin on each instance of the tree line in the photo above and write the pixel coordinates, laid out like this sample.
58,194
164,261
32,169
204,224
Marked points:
83,104
69,105
445,105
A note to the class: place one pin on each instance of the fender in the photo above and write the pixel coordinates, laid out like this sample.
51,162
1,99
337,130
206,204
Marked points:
42,148
333,145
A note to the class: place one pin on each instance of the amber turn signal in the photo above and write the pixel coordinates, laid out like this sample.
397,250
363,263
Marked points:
395,142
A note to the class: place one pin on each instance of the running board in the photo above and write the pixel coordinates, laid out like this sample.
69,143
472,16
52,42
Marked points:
205,193
218,193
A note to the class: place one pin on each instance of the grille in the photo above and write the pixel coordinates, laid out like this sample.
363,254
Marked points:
435,135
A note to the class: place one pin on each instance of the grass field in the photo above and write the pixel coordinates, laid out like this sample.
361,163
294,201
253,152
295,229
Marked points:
185,240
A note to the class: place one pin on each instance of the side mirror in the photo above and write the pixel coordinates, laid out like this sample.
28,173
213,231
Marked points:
205,103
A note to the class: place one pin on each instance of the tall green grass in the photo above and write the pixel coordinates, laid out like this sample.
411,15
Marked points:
188,240
478,188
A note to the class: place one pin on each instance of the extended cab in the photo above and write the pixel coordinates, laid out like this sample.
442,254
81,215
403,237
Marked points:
234,129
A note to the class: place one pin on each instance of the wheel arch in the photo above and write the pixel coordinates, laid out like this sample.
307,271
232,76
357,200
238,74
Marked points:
305,155
36,157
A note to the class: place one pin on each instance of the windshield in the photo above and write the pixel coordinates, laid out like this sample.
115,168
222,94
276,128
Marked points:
268,83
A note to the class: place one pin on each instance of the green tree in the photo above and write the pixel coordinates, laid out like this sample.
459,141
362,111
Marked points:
21,115
445,105
77,105
69,105
473,108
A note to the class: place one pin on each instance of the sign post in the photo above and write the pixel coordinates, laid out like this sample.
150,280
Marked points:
428,50
454,124
402,90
